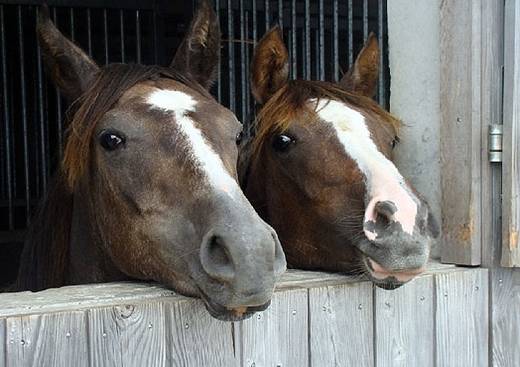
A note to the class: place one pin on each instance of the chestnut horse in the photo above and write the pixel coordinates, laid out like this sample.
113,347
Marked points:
318,169
148,186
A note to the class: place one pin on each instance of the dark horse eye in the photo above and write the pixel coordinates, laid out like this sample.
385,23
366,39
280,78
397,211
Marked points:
239,137
394,142
281,143
111,140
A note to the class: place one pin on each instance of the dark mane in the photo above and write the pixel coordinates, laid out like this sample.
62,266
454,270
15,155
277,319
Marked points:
44,260
290,103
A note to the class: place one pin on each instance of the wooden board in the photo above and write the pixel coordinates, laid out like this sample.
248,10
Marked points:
3,342
404,325
505,317
197,339
511,154
461,131
279,335
462,321
57,339
334,313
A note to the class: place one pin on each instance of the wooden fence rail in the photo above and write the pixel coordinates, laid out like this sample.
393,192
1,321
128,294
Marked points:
315,319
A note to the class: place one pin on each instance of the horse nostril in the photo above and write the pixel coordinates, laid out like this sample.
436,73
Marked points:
384,211
216,259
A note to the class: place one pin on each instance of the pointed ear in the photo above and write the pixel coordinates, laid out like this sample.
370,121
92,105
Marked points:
363,75
198,55
270,66
71,70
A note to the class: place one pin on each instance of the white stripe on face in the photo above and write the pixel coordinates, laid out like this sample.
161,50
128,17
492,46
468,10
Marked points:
180,104
383,180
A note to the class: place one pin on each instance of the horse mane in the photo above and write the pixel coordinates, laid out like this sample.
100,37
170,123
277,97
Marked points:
44,260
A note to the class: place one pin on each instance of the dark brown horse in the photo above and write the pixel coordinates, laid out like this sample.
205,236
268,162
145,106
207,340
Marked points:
148,186
319,170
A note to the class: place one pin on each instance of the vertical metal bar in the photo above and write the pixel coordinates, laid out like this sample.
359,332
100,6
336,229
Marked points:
335,45
294,53
6,127
24,115
267,18
321,32
365,20
155,48
255,25
219,74
138,34
280,13
71,17
105,34
307,48
350,34
43,142
122,34
89,33
380,31
242,60
59,121
231,56
245,66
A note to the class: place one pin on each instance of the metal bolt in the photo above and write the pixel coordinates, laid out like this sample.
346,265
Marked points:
422,298
360,306
150,325
22,342
294,312
477,288
104,335
186,326
67,335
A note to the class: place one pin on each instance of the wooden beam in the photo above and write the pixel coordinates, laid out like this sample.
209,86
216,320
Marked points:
511,154
461,131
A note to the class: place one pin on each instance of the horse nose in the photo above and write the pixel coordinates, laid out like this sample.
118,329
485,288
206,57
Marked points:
246,262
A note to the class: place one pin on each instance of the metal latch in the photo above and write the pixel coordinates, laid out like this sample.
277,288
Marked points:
495,143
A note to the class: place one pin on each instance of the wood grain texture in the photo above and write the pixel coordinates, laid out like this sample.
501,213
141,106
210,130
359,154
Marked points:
277,337
197,339
58,339
511,150
128,335
491,111
461,318
404,325
505,317
461,131
341,325
3,341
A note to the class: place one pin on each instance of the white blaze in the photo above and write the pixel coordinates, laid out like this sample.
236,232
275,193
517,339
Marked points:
384,182
180,104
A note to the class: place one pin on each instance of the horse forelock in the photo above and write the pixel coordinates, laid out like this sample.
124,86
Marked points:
85,113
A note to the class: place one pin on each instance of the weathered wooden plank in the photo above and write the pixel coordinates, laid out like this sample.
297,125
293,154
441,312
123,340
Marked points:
461,318
404,325
341,325
511,147
197,339
58,339
83,297
505,317
279,335
128,335
491,110
3,341
460,22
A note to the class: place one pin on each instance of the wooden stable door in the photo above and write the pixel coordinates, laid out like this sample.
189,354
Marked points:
511,140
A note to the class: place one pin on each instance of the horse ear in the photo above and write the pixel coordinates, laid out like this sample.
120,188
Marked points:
362,76
71,69
198,55
270,66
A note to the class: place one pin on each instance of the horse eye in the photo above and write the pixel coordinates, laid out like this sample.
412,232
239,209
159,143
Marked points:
394,142
281,143
239,137
110,140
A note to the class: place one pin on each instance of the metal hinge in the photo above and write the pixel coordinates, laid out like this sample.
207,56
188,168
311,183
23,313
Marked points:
495,143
